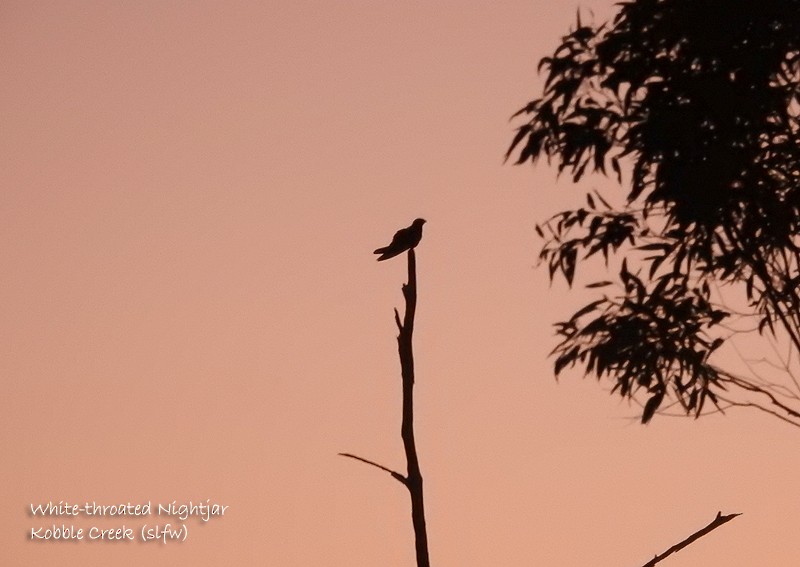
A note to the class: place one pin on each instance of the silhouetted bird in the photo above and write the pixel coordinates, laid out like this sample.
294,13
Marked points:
404,239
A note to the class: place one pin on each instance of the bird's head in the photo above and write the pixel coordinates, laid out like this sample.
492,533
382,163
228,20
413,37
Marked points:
418,222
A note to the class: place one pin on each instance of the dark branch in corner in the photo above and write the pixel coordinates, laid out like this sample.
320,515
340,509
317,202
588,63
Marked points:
717,522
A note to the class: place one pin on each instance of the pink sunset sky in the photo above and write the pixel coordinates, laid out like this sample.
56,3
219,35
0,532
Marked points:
191,193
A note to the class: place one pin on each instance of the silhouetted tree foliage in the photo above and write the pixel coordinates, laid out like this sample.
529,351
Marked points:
698,101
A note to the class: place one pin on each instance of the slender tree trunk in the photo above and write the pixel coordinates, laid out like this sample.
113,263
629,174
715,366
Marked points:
405,349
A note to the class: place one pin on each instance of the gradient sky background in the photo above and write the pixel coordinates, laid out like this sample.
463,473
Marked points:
191,192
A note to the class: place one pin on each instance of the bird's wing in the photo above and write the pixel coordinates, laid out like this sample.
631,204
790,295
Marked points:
400,236
398,240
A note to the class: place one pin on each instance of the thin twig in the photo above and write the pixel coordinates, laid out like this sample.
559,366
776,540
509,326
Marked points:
744,384
761,408
396,475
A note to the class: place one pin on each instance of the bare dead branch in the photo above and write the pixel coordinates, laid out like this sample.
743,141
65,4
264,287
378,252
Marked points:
412,480
406,352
